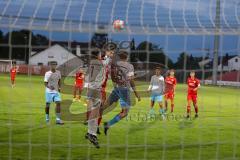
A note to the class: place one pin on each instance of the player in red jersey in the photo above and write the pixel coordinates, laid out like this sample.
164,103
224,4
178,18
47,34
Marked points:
193,86
79,83
170,85
13,72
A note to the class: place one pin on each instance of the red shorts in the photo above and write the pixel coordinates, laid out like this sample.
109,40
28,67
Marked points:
192,97
12,78
169,95
79,86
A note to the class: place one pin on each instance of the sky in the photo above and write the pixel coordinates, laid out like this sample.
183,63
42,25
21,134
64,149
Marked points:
157,14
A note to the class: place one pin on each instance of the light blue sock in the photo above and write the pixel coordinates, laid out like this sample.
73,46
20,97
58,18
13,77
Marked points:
58,116
114,120
151,111
161,110
47,116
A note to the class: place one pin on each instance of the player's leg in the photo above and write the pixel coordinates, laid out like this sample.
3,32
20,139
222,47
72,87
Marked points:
80,92
152,102
74,93
101,110
195,106
189,100
13,81
94,103
115,119
166,102
57,100
48,98
172,104
47,107
125,103
159,99
160,103
113,98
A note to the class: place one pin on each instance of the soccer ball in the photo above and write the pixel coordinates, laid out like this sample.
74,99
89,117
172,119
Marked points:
118,24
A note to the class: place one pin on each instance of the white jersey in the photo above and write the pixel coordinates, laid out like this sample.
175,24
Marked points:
121,73
157,84
52,78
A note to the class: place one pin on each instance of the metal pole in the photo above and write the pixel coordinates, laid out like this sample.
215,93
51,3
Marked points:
216,43
25,49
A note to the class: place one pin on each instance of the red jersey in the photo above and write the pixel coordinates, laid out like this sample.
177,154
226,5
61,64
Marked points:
13,72
104,85
170,83
192,84
79,79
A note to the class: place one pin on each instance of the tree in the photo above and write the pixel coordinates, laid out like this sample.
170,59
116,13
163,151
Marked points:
39,40
191,62
158,56
1,37
99,40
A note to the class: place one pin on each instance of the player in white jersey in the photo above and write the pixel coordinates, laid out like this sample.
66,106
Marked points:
52,81
122,74
156,88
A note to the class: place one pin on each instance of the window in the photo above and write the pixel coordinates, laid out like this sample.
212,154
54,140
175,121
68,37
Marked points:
236,60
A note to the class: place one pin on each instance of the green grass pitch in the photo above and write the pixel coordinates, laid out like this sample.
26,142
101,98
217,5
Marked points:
24,134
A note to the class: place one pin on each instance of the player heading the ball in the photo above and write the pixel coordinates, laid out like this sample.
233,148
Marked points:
122,74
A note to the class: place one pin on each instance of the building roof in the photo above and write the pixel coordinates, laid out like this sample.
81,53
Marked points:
55,48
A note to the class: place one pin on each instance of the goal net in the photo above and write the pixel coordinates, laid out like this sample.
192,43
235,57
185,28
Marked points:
5,65
188,35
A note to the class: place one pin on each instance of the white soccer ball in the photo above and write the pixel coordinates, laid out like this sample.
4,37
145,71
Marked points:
118,24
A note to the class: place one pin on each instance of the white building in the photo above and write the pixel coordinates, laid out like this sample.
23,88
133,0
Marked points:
54,53
232,64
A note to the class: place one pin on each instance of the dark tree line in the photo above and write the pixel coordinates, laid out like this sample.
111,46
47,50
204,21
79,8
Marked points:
138,53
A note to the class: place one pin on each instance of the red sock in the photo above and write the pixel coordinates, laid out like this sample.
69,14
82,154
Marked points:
87,115
188,109
172,106
196,108
99,120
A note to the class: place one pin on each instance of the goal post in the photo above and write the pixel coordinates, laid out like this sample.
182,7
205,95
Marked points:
5,65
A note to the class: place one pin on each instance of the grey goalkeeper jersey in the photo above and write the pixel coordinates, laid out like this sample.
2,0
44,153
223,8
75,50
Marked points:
96,74
157,84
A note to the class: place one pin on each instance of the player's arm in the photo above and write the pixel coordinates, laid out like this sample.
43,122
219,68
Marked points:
133,86
198,86
163,84
132,82
46,77
59,85
174,86
46,80
150,86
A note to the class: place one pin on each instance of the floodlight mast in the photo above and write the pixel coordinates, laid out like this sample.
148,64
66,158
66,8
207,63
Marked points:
216,43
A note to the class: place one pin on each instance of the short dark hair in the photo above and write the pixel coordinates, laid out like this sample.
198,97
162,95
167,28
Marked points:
123,55
158,67
192,71
110,46
52,63
94,53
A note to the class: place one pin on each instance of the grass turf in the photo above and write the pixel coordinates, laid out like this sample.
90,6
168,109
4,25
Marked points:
24,134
